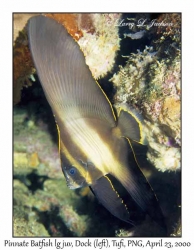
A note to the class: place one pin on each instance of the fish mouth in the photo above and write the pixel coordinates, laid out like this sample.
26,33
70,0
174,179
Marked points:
75,185
72,184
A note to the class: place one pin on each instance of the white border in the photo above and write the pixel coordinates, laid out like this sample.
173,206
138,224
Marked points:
7,7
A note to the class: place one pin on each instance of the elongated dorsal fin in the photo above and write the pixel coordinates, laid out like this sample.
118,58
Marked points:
67,81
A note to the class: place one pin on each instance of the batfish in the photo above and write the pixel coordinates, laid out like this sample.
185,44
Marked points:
94,141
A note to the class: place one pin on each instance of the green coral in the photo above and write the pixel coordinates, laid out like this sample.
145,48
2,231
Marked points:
29,208
39,185
43,204
25,220
77,224
25,228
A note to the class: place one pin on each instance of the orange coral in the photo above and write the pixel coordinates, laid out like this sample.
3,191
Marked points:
33,160
70,22
75,23
22,65
171,18
22,62
85,22
170,110
171,30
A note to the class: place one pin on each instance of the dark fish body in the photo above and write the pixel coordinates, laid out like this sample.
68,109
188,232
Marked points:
93,141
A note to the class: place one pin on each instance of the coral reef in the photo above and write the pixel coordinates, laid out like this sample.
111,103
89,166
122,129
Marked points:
40,188
39,185
22,62
151,83
25,220
98,42
28,148
101,46
70,22
90,30
161,153
43,204
75,223
19,21
168,37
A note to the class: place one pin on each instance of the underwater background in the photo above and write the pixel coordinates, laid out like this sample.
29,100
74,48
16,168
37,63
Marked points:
136,61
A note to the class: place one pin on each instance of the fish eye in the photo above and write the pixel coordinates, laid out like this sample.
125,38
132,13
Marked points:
72,171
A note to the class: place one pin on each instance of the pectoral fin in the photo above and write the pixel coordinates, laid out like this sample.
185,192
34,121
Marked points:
109,198
130,124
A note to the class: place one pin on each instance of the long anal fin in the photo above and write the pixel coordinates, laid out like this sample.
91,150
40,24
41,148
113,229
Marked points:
110,199
134,181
